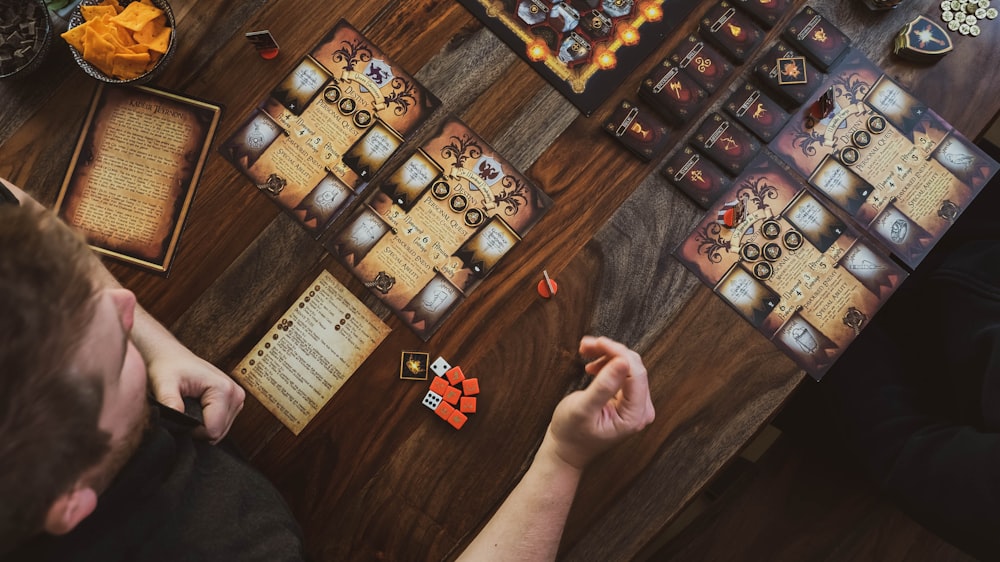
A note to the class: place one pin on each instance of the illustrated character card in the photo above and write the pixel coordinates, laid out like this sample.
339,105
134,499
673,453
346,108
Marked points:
696,176
702,63
731,31
329,126
885,158
437,226
789,265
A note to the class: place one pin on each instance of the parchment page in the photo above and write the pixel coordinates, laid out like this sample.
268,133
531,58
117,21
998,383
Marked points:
311,351
133,171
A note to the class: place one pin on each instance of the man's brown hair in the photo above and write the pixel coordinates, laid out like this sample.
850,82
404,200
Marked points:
49,412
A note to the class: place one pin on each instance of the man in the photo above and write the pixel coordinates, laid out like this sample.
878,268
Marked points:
90,472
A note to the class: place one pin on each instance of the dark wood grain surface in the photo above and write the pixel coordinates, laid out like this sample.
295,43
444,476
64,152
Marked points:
375,476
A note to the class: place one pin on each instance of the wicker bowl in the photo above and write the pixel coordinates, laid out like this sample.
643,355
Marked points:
77,19
35,16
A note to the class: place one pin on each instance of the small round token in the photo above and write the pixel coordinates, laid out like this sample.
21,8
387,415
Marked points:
458,203
971,7
793,240
974,30
947,16
956,5
331,94
772,251
347,106
953,25
981,13
770,229
750,252
440,190
876,124
971,20
963,29
946,5
849,155
861,138
362,119
991,13
762,270
984,3
473,217
543,288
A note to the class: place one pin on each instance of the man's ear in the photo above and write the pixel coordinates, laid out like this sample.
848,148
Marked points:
70,509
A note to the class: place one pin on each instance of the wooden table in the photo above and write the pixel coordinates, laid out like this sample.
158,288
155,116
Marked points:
375,476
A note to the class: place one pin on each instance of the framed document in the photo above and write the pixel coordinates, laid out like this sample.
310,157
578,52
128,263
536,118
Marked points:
134,171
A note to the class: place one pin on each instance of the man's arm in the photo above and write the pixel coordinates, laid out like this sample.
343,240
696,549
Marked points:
174,371
529,523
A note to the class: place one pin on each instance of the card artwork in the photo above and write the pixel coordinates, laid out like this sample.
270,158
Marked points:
328,126
437,225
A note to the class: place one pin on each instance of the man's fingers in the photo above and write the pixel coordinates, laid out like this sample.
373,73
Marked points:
168,395
607,383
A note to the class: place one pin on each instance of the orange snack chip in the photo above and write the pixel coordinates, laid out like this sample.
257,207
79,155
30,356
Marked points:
136,15
123,42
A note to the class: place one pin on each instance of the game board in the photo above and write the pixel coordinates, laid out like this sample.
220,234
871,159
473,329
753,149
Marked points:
437,225
328,127
585,48
810,279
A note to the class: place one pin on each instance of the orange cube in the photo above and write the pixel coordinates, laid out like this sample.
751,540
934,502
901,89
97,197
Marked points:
451,395
455,375
439,385
467,405
444,411
470,387
457,419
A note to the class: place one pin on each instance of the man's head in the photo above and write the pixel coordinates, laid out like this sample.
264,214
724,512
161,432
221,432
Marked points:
72,384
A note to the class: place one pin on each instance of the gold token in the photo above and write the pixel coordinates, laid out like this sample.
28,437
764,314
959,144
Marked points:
772,251
750,252
762,270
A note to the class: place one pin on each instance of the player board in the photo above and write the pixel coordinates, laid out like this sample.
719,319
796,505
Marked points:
772,246
437,225
584,48
330,124
887,159
777,254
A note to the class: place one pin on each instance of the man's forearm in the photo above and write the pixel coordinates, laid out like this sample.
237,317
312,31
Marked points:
529,523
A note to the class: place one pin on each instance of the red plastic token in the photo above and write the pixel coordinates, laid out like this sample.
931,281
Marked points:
543,289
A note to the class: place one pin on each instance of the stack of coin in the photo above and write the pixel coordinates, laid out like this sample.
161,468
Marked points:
964,16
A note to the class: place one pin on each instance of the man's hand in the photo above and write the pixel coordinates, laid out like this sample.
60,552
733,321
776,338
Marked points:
176,372
615,405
